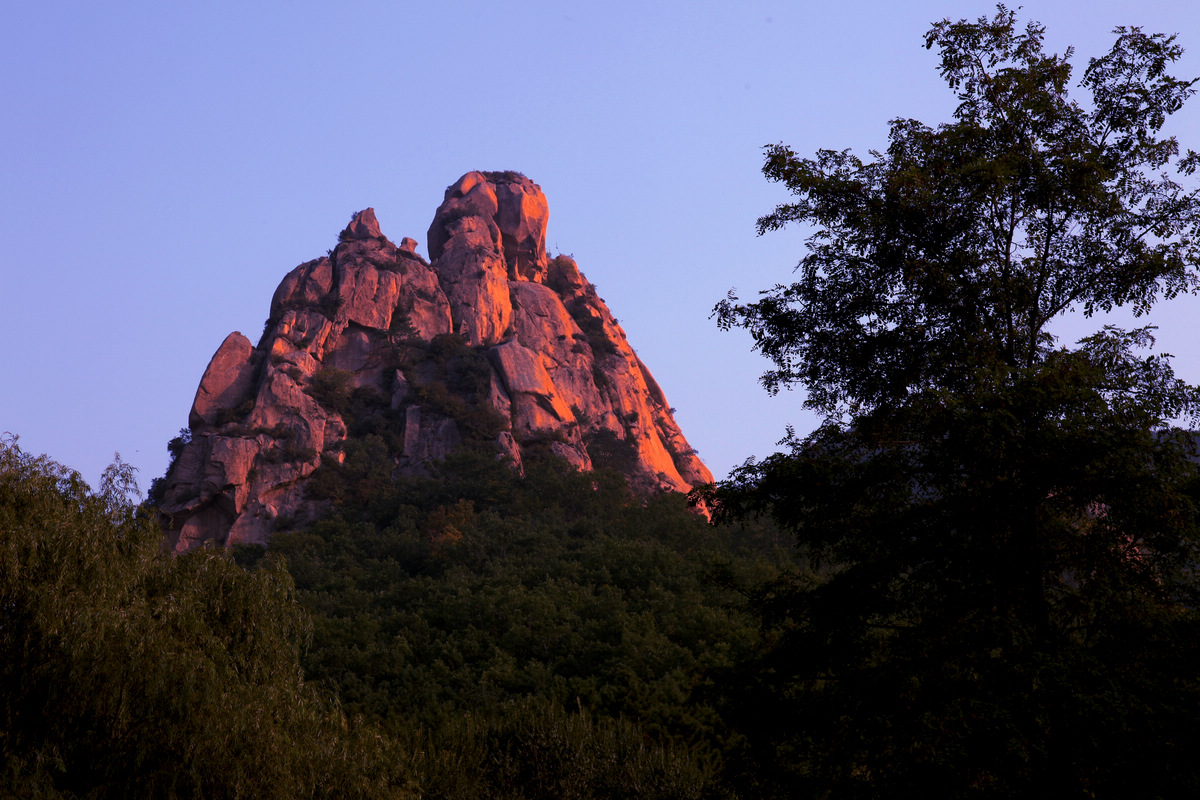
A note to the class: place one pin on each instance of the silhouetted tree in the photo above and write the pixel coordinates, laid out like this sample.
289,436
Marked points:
1005,528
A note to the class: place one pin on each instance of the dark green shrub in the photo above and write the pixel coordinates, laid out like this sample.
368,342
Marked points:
593,328
226,416
505,176
538,751
331,387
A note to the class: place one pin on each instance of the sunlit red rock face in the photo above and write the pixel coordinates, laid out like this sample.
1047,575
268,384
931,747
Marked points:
493,344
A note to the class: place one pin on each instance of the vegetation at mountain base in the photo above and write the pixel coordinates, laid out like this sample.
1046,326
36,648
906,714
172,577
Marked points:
476,585
129,673
471,634
1006,527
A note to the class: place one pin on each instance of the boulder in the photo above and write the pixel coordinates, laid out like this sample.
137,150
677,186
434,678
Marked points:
363,225
471,196
471,271
537,409
226,384
304,286
367,295
522,217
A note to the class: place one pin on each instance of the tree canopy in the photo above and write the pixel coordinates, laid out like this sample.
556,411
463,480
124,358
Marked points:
1007,526
129,673
951,251
454,593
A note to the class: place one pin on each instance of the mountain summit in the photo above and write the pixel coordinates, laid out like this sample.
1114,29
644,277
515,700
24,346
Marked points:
492,345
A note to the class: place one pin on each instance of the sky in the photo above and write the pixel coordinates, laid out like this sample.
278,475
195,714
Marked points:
164,165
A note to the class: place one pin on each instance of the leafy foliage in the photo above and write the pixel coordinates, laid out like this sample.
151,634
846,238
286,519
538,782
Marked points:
504,176
331,387
539,751
1006,529
432,597
132,673
979,232
453,380
128,673
158,486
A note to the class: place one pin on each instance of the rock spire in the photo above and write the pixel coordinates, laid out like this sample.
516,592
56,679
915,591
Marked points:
491,343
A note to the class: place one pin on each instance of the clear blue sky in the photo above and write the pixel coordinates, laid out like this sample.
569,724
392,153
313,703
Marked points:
164,165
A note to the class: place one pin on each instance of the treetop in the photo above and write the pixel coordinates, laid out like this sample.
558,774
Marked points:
953,249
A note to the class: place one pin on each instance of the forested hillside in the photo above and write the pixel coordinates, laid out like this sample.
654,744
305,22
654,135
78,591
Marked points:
476,585
471,634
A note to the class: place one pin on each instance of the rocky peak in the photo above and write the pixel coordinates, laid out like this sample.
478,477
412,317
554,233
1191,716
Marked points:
509,207
492,344
363,225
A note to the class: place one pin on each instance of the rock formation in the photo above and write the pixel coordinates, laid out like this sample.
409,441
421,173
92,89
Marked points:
491,344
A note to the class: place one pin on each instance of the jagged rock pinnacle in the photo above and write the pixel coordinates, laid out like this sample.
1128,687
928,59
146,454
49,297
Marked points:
514,212
550,370
363,226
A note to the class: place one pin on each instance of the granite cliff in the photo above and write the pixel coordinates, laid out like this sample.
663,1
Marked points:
491,343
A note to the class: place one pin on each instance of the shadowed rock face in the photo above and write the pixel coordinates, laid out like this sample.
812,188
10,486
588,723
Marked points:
493,344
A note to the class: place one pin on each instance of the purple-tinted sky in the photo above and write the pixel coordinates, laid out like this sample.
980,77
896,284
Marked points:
164,165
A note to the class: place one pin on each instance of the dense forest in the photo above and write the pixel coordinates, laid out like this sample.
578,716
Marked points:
976,578
474,633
